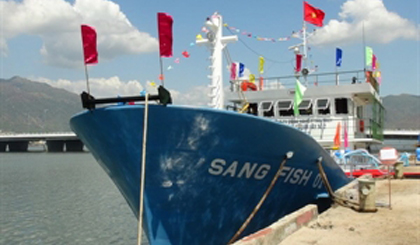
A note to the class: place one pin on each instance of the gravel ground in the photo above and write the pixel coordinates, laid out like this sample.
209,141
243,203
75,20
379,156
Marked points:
344,226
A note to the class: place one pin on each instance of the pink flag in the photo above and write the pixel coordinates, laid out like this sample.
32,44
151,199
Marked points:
373,62
233,71
89,45
165,22
346,137
298,62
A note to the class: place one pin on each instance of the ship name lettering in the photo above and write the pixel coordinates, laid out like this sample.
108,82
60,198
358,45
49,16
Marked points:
219,167
295,176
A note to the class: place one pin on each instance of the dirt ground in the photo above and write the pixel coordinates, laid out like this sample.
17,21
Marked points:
343,226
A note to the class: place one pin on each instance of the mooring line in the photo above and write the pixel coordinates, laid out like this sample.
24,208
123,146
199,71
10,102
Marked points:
143,169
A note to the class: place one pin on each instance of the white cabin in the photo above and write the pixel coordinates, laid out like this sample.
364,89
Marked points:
346,98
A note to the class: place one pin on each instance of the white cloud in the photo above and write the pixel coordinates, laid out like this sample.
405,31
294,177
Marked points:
197,96
57,23
380,25
99,87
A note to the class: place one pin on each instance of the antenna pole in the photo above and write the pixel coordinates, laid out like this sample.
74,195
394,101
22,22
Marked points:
364,46
87,79
305,48
161,76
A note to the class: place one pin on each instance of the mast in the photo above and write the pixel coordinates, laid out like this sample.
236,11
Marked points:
216,42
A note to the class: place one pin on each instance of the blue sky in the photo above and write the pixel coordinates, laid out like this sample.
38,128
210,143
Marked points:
40,40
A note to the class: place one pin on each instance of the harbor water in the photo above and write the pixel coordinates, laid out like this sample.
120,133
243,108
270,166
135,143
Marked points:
61,198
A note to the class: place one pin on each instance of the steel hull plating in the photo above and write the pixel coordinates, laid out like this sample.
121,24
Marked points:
206,169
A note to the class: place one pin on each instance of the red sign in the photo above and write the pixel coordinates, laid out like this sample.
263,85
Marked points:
388,155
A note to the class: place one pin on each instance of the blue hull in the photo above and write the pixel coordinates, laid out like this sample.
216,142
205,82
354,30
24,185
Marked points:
205,169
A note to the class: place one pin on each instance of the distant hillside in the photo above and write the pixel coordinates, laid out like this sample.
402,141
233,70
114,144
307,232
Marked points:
402,111
27,106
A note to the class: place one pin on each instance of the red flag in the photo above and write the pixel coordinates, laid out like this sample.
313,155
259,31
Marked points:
312,15
298,62
165,22
89,45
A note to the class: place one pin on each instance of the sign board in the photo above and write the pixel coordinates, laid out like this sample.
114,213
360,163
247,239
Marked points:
388,155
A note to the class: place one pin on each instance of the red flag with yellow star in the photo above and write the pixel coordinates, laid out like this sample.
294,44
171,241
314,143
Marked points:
312,15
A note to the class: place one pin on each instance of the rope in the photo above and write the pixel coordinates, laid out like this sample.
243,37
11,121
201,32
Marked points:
143,169
257,207
335,198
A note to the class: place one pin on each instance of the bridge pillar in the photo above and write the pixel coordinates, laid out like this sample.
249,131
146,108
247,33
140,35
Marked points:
3,146
74,145
55,145
18,146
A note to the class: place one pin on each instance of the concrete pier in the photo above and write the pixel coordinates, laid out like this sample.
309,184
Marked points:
3,146
55,145
18,146
74,146
52,142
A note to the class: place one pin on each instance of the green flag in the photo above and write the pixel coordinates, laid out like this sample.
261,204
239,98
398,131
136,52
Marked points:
299,91
369,56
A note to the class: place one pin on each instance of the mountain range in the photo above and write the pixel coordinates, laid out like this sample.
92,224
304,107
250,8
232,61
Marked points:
30,106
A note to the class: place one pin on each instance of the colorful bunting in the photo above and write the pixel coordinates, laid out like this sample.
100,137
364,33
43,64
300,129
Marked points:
186,54
249,34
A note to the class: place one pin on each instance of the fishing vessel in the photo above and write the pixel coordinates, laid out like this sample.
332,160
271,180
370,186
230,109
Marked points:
212,175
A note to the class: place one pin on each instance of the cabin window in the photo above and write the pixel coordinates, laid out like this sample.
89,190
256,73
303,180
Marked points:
305,107
341,106
323,106
266,109
284,108
252,109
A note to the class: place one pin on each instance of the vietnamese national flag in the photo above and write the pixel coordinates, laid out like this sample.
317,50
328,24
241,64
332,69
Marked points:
89,45
165,22
312,15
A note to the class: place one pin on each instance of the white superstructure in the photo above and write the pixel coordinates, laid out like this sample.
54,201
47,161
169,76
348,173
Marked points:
216,42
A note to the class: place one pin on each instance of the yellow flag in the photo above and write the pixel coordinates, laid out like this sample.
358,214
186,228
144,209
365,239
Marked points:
251,78
261,68
198,37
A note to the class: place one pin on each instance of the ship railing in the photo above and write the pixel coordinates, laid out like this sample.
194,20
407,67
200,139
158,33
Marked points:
312,79
358,159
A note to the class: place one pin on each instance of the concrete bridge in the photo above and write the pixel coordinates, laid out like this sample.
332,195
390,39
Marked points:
54,142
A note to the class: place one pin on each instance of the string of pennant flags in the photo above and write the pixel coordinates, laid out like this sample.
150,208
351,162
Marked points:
295,34
237,69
